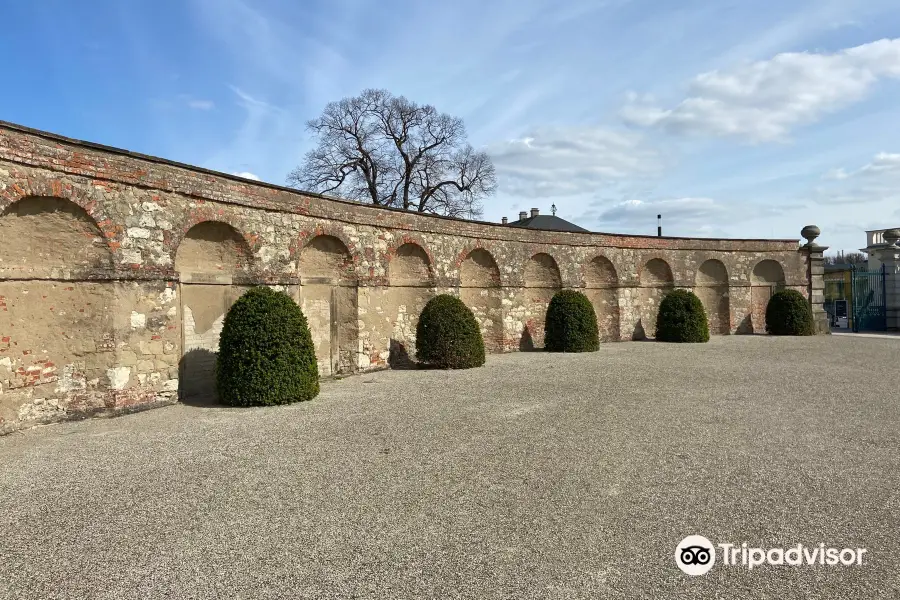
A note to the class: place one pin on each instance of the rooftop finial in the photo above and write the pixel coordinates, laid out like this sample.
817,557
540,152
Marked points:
553,208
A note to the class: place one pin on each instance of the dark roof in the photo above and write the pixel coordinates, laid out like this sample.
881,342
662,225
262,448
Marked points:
548,222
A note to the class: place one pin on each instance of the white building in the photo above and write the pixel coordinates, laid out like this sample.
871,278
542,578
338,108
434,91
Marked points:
874,240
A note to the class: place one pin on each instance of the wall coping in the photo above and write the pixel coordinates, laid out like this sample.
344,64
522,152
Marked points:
286,199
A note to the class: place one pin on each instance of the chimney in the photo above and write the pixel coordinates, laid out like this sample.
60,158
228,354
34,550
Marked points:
535,212
523,215
658,225
503,220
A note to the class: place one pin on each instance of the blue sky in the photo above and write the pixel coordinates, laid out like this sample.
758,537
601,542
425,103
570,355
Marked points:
731,118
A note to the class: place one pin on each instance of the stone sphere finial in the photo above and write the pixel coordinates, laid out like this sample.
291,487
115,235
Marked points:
810,232
891,236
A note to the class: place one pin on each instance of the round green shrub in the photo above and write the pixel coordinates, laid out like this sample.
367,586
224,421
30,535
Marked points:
681,318
448,335
788,313
266,353
571,324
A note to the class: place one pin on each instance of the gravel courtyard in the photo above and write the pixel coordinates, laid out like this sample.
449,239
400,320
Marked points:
538,476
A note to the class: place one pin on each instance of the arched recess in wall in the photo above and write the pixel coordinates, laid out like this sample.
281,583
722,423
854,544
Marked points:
329,298
56,309
711,286
656,281
479,289
542,281
411,286
601,287
766,279
209,258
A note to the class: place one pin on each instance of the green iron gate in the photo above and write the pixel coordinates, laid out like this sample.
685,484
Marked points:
868,293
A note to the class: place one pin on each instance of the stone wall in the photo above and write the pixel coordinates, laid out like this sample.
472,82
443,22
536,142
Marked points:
116,270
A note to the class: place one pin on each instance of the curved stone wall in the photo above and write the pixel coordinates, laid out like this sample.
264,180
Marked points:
116,270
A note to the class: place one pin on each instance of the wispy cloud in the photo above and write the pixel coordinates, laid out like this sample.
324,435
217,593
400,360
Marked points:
766,100
248,175
567,161
874,183
201,104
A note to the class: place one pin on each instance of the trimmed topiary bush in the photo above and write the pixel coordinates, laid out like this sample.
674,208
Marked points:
571,324
448,335
788,313
681,318
266,353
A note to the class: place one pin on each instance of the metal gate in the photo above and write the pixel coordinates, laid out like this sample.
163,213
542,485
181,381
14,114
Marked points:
869,299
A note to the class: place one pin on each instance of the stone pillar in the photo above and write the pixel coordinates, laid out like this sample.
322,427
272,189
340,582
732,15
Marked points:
890,259
815,277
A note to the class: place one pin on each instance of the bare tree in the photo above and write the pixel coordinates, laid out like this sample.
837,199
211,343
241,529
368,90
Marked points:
849,258
392,152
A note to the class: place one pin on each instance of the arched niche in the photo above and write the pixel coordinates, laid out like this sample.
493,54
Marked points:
542,281
411,284
329,298
766,278
656,281
212,248
207,260
541,271
326,258
57,308
601,287
711,286
479,270
44,236
410,266
479,282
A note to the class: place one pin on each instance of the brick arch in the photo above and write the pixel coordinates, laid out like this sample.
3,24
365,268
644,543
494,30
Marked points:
50,236
655,271
326,256
479,268
213,246
307,236
410,263
712,271
48,187
542,270
467,251
767,272
391,255
174,238
599,272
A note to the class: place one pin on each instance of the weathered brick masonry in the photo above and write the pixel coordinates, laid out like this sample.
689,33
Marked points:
116,270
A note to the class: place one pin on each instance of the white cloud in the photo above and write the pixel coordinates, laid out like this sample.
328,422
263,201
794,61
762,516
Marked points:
765,100
201,104
873,183
569,161
682,211
248,175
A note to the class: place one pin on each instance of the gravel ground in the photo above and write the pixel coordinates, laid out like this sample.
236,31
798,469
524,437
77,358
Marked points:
538,476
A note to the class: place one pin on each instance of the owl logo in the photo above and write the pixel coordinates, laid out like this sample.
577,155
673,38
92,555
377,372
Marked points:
695,555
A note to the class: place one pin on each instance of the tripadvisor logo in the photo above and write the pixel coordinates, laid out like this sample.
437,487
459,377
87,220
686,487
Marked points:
696,555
